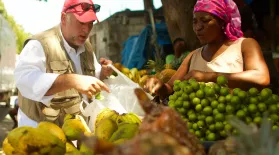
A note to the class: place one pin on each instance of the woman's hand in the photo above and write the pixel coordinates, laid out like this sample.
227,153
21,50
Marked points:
153,85
200,76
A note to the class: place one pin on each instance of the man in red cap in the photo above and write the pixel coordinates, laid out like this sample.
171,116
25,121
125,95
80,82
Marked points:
58,68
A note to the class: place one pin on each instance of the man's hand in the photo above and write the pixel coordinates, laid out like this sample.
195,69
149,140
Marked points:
105,71
89,85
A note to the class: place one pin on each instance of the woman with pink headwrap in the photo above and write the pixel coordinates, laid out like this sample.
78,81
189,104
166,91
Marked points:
224,51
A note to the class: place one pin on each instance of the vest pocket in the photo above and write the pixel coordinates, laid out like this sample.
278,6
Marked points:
60,67
89,71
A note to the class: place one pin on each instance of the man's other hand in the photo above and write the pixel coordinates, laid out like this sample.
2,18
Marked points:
106,70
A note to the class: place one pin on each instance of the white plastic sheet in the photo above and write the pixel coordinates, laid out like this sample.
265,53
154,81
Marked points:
121,99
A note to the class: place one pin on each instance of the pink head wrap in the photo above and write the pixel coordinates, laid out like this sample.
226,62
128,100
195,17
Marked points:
227,11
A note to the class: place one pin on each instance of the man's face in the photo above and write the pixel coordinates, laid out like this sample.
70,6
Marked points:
76,31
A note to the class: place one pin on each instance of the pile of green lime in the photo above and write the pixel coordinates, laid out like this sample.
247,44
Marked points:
207,106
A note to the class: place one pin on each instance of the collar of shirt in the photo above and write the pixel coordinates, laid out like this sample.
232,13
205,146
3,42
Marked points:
69,49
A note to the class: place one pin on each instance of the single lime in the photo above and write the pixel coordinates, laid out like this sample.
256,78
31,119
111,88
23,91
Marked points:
182,111
222,80
235,100
209,92
253,91
195,85
192,117
186,104
198,134
217,88
185,97
265,93
230,109
248,120
212,127
274,127
176,82
257,120
178,104
188,89
200,94
201,117
196,101
274,117
275,97
221,107
270,101
195,126
192,131
223,133
189,125
201,124
273,109
262,107
240,114
228,127
215,111
180,98
219,126
252,108
192,96
209,120
207,110
228,98
189,112
224,91
198,108
236,91
204,102
242,95
214,104
253,100
219,117
211,137
192,80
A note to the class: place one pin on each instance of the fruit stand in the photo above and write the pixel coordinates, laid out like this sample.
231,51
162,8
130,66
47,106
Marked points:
201,118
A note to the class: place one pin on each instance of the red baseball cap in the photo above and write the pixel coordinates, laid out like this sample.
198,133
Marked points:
84,10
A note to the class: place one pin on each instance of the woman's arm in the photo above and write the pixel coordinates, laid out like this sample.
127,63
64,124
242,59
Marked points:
255,72
255,69
167,88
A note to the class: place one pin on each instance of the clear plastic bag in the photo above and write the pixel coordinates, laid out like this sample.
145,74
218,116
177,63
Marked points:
121,99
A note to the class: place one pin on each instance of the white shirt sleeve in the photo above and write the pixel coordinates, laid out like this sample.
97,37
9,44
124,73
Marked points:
97,66
30,73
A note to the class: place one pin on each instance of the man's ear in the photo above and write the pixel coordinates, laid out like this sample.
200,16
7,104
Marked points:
63,18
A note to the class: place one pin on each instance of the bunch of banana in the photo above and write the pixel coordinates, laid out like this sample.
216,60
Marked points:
128,118
75,128
142,80
106,113
28,140
111,126
135,76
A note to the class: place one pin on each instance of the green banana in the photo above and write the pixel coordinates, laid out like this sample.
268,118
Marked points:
105,113
124,131
134,118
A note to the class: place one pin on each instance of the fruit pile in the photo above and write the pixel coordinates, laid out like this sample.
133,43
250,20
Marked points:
207,106
47,138
138,76
115,128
